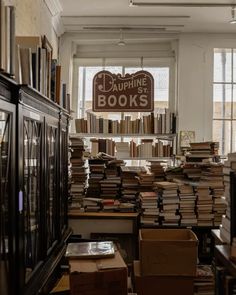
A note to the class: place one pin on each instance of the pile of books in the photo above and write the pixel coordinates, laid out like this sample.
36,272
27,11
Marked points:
204,205
187,205
202,151
96,174
78,172
157,168
168,202
149,207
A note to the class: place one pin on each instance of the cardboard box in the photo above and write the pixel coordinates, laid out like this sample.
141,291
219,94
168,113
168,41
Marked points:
98,276
162,285
168,252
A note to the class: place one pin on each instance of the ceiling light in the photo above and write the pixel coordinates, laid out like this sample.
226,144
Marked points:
233,20
121,41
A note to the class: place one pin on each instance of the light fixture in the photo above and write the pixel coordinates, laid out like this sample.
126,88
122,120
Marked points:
121,41
233,20
132,3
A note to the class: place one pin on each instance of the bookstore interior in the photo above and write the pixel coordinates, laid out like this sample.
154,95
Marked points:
117,147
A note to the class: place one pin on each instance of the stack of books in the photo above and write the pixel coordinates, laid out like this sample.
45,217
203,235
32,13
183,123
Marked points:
149,207
97,169
202,152
204,205
78,172
92,204
145,181
157,168
168,201
130,183
187,205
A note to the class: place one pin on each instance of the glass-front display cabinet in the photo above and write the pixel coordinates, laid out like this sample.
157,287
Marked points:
7,191
33,175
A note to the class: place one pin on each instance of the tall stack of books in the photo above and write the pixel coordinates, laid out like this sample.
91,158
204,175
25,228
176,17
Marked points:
187,205
149,207
157,168
213,175
225,228
110,185
78,172
168,201
96,169
204,205
130,183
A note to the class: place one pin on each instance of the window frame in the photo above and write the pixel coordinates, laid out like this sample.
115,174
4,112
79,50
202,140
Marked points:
124,62
231,83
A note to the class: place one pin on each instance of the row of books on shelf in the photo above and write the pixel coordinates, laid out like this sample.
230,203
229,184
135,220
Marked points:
147,148
29,60
164,123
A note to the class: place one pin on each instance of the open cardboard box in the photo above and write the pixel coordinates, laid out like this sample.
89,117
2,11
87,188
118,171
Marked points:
168,252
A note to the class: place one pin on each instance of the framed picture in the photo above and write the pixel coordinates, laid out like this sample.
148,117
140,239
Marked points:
125,243
186,137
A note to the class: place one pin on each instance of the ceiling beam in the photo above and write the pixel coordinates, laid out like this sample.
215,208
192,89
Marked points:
179,4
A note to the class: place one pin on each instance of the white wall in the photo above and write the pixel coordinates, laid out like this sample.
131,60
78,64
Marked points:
195,78
33,18
194,93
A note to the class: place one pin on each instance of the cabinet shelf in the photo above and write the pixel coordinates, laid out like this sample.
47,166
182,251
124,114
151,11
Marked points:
147,159
164,136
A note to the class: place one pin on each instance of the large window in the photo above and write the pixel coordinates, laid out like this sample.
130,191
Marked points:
224,98
161,87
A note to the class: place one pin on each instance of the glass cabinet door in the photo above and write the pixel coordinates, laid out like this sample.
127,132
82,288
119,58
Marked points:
64,180
5,201
52,185
32,191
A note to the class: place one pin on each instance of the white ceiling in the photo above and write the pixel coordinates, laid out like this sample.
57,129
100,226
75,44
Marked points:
108,16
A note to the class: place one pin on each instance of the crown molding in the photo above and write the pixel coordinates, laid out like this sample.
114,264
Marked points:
58,25
54,6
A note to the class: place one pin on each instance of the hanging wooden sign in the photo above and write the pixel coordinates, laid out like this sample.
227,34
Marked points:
131,93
